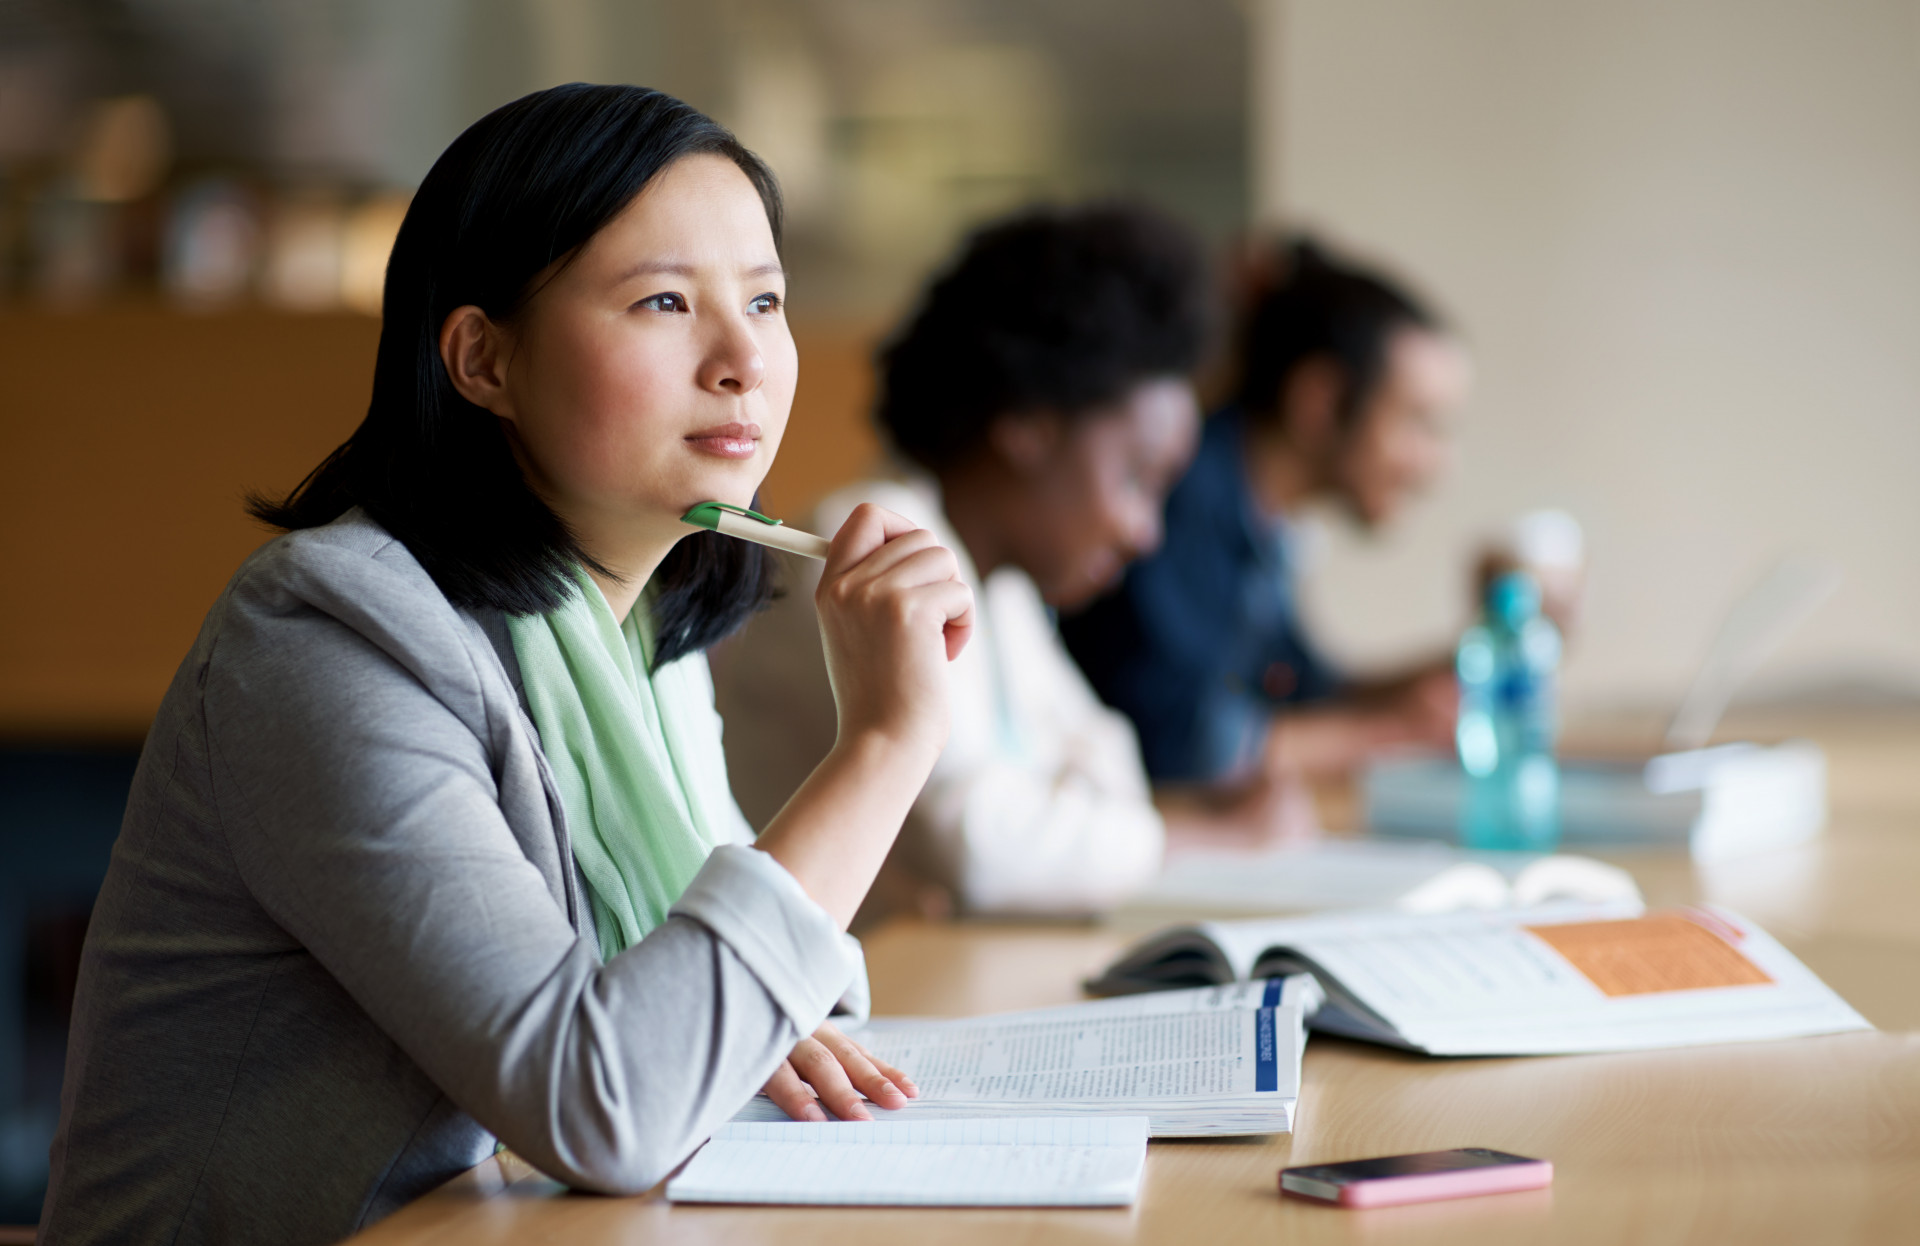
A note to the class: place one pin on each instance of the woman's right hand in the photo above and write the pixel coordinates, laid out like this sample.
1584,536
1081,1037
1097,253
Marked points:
893,612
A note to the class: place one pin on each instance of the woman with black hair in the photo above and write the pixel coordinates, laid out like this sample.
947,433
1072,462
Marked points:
1346,383
1040,405
431,844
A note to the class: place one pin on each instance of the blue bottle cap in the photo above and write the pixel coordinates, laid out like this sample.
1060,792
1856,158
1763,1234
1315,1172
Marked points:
1513,598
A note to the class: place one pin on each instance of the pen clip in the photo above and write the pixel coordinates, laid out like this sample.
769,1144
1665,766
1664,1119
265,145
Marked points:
707,515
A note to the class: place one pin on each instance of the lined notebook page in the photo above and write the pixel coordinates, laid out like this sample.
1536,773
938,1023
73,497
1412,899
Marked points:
1020,1162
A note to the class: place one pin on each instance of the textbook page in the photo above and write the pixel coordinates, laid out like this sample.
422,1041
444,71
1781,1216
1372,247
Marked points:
1031,1162
1224,1071
1554,978
1244,943
1298,990
1175,1055
1485,984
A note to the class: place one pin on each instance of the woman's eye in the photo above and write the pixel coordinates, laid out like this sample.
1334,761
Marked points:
765,304
663,303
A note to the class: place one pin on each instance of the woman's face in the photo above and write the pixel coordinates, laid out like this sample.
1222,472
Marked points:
1399,443
655,371
1090,496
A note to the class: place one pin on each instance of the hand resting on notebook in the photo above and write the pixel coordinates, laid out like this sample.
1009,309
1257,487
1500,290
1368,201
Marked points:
840,1072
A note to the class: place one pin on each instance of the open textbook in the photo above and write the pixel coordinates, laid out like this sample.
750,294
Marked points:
1031,1162
1206,1061
1418,876
1559,978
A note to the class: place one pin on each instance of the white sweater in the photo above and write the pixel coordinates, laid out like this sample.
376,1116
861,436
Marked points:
1039,803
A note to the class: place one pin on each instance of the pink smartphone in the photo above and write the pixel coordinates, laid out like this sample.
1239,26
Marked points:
1423,1178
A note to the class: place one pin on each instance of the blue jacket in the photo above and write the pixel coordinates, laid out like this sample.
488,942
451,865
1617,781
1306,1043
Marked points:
1202,640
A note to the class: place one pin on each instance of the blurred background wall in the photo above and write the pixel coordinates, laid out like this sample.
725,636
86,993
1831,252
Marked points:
1683,239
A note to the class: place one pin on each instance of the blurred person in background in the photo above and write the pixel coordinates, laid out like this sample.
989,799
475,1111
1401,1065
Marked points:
1040,405
1345,385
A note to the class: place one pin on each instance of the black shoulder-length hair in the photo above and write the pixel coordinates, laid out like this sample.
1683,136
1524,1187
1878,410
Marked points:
523,187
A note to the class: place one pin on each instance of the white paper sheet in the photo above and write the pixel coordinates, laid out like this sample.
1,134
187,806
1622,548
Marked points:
1025,1162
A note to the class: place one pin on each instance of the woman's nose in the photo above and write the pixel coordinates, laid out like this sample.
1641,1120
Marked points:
1143,532
733,364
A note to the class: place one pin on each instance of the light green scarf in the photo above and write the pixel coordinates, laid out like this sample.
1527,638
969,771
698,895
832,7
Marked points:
623,742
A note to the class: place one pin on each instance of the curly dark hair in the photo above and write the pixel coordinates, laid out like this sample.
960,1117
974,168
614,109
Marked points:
1064,309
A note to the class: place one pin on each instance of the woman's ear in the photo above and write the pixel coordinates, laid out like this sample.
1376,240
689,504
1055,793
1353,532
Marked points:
1026,440
1310,404
475,351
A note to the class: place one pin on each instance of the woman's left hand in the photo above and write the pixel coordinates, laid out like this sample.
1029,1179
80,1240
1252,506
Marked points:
840,1071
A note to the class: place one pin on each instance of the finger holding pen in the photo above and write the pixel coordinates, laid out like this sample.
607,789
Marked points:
893,611
898,545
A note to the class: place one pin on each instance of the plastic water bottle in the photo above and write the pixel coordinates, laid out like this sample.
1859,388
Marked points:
1507,664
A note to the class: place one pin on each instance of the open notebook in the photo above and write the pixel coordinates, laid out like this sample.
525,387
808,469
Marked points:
1033,1162
1561,978
1207,1061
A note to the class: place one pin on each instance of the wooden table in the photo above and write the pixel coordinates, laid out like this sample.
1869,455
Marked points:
1813,1140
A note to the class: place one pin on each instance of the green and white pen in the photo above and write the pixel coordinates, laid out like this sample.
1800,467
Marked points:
752,526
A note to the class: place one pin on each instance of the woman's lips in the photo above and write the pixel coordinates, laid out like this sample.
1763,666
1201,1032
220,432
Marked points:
727,441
